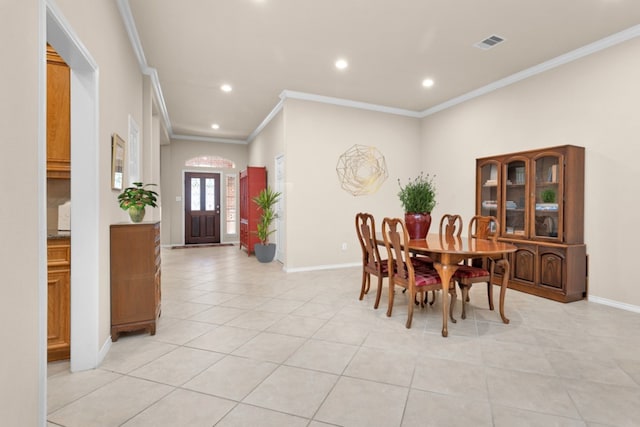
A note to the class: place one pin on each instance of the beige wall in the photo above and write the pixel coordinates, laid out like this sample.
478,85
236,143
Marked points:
120,95
98,27
320,215
21,217
593,102
267,145
173,158
263,150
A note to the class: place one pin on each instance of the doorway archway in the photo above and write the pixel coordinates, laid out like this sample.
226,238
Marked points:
85,352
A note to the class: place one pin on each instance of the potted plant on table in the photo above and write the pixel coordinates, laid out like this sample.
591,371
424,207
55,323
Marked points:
418,198
266,201
135,199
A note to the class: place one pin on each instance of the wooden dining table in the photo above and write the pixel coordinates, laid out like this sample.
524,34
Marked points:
448,252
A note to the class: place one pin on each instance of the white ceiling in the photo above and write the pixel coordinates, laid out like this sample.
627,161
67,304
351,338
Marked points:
264,47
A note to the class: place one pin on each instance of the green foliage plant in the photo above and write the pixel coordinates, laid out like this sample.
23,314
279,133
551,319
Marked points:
548,196
266,201
418,195
137,196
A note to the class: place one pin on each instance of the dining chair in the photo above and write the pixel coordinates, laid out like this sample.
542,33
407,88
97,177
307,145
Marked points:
480,269
452,225
416,277
372,263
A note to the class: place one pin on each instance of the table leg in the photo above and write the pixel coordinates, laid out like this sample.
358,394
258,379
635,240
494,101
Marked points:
503,287
446,272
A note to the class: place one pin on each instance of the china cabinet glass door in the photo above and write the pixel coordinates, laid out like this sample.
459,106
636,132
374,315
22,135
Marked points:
548,197
515,198
489,190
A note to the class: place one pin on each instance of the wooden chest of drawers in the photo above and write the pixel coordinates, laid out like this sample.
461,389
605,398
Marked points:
135,277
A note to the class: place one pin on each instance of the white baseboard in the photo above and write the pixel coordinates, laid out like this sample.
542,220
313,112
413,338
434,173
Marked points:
104,350
322,267
612,303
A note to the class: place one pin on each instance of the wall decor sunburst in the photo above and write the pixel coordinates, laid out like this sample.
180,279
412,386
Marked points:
361,170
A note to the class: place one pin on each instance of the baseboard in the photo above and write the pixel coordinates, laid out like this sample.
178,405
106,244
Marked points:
104,350
322,267
612,303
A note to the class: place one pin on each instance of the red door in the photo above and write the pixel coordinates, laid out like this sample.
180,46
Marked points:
202,208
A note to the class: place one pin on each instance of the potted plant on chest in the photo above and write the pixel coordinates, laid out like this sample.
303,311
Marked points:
418,199
266,201
135,199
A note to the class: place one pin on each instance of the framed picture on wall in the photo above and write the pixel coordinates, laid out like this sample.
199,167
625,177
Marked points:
117,162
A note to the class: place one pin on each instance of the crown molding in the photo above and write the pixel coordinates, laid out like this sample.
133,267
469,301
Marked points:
274,112
127,17
132,31
209,139
347,103
571,56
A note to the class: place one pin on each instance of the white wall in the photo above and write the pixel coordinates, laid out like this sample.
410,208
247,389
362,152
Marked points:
593,102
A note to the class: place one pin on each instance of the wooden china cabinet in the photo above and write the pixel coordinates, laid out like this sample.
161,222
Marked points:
252,180
538,198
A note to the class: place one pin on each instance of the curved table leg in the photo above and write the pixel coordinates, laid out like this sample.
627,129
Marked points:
503,287
446,272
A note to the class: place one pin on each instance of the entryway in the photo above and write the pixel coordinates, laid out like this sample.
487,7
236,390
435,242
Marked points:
201,208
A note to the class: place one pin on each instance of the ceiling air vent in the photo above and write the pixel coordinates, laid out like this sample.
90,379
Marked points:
489,42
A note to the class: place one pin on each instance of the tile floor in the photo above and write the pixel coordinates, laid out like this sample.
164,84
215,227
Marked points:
241,343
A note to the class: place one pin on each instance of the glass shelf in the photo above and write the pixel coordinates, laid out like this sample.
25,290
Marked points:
547,193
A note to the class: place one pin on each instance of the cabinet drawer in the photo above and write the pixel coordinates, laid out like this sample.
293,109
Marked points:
58,253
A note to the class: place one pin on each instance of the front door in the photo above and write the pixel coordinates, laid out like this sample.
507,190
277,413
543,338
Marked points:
202,208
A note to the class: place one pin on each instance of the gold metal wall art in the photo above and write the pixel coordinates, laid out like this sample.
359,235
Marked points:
361,170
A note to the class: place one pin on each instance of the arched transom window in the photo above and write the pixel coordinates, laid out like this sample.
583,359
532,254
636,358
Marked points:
210,162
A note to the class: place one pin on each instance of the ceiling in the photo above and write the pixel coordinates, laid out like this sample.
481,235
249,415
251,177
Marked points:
265,47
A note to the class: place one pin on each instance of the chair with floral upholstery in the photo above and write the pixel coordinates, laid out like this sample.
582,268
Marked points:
372,263
419,278
480,270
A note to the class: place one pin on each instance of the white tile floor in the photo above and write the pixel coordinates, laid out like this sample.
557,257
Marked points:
241,343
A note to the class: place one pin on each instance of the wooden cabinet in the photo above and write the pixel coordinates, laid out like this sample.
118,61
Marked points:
252,181
538,198
58,116
135,277
58,298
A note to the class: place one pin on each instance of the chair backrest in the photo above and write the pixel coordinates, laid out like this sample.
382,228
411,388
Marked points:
452,225
484,227
366,230
395,234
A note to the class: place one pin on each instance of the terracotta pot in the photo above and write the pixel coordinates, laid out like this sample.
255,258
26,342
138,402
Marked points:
417,224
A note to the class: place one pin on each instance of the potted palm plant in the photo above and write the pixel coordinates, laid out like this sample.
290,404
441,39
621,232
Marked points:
418,198
266,201
135,199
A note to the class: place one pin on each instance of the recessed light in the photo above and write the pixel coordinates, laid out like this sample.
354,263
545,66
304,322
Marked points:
427,82
215,126
226,88
341,64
